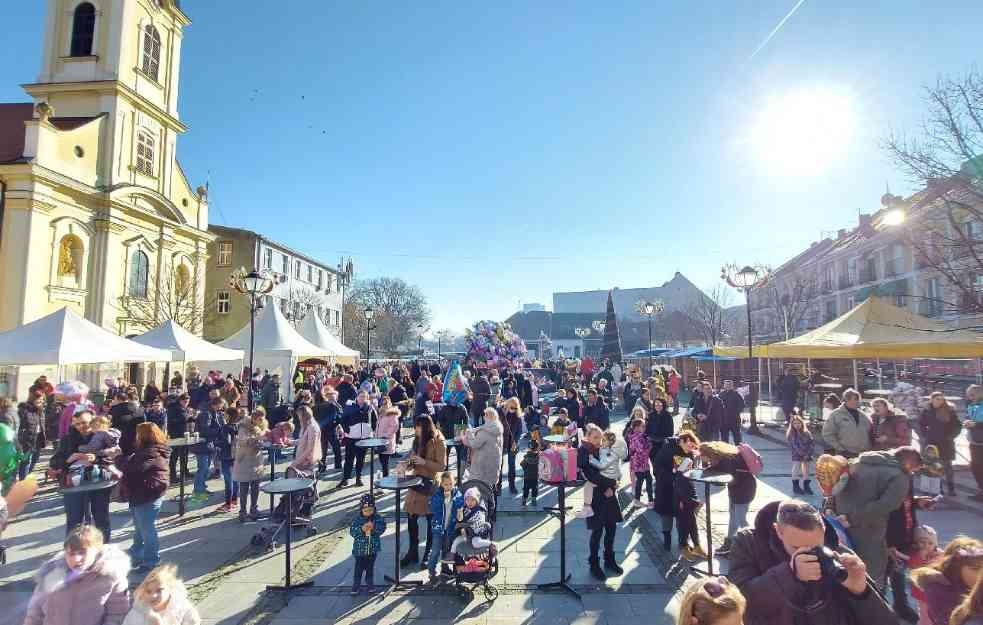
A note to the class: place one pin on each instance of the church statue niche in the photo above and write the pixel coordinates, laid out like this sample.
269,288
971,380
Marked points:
69,261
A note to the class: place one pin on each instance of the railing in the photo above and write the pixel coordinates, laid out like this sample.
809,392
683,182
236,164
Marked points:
826,287
844,282
867,275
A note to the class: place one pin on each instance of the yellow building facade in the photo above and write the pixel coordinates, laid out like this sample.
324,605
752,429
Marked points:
96,213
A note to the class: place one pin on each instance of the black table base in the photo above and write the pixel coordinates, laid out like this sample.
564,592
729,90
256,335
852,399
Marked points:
288,586
696,568
560,512
397,582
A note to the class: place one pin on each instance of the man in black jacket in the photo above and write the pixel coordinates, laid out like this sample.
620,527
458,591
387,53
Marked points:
346,390
328,414
709,411
596,411
178,415
773,565
733,407
481,391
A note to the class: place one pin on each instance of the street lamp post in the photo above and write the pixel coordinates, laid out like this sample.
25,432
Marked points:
369,313
651,309
419,339
747,279
253,285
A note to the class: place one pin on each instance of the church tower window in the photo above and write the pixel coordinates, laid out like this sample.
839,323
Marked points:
139,268
83,28
151,51
145,154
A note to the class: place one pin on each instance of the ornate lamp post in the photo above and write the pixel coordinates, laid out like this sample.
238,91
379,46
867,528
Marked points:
419,339
650,309
442,335
254,285
369,313
747,279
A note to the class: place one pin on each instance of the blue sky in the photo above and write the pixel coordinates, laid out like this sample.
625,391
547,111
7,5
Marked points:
496,152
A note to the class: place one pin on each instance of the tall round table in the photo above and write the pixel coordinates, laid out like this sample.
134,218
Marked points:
271,451
557,439
181,447
708,479
372,444
84,489
287,487
397,484
458,448
560,512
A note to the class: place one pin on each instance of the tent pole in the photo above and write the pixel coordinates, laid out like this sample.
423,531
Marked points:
715,385
856,384
771,398
979,372
880,376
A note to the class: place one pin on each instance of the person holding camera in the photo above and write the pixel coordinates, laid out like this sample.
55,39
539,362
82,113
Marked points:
793,571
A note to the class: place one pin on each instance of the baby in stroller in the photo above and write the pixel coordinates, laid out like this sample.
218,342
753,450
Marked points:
473,525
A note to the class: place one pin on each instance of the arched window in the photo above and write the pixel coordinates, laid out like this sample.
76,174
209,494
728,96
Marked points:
182,282
139,267
151,51
70,253
83,27
145,153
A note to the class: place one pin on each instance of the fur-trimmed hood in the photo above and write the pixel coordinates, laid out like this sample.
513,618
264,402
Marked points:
112,563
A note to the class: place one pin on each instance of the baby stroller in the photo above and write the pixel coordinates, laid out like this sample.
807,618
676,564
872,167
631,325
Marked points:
303,512
474,568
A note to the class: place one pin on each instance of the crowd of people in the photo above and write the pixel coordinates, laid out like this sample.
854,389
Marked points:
497,426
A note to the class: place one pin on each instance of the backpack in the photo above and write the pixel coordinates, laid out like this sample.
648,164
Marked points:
751,458
558,464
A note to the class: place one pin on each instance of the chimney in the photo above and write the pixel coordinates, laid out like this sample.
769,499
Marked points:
840,233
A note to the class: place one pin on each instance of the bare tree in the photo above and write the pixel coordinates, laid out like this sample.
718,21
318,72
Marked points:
173,297
306,302
399,308
707,314
790,298
943,225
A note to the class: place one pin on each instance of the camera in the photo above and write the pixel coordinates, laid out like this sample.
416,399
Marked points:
829,566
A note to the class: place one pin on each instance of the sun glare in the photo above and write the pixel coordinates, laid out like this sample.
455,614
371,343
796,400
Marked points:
802,132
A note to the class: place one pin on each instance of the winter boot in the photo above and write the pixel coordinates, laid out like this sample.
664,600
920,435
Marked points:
412,556
667,540
596,571
611,565
796,488
806,489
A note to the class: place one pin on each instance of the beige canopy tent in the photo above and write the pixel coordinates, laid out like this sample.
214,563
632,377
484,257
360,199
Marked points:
874,328
314,330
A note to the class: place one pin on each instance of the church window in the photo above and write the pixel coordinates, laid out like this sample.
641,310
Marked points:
139,268
145,153
151,51
83,27
182,282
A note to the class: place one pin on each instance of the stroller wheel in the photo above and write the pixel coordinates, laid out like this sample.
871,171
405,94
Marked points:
311,531
491,593
271,547
256,540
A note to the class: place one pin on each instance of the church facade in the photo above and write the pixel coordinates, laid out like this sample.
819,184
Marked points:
95,210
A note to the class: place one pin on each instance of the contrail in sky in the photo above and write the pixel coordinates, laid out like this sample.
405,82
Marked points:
775,30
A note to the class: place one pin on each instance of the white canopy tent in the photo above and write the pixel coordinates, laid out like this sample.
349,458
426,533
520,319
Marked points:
65,338
185,346
314,330
278,346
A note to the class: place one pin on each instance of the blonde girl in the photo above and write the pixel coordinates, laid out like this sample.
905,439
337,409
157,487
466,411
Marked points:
970,611
712,601
162,599
802,447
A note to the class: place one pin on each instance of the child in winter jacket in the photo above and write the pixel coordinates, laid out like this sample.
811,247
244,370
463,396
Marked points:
925,553
947,581
444,506
472,522
640,446
386,428
530,467
685,505
801,443
225,443
366,529
162,599
86,584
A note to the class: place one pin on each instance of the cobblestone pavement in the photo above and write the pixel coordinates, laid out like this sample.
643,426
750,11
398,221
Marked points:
227,576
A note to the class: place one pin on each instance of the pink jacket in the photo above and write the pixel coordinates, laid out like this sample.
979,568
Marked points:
639,445
97,597
386,428
308,450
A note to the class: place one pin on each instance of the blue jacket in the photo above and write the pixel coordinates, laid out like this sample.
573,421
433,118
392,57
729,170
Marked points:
367,545
437,510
